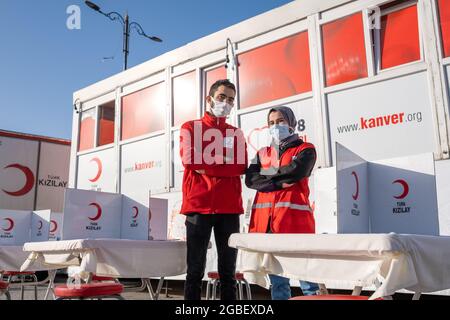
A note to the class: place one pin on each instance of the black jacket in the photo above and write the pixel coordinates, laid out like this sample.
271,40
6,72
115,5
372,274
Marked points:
301,167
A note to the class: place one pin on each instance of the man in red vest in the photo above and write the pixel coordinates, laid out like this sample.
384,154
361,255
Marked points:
280,175
214,156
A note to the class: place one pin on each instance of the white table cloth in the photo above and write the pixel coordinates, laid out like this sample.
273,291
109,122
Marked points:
110,257
413,262
13,257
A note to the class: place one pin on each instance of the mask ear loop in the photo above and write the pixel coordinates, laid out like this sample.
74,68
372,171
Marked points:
291,130
211,103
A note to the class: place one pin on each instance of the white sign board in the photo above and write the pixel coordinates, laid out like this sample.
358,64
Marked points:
53,176
159,209
97,171
135,220
325,202
40,225
18,165
56,222
175,221
403,195
144,168
91,215
352,192
14,227
385,119
398,195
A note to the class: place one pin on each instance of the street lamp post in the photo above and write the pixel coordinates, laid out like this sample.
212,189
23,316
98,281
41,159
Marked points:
127,26
126,41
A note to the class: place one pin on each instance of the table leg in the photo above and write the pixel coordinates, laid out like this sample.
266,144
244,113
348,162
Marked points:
154,295
158,289
51,277
322,289
150,289
356,291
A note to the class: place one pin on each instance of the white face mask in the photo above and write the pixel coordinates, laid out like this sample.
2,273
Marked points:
279,132
220,109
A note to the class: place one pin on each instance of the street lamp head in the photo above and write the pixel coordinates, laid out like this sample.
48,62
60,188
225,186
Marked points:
92,5
155,39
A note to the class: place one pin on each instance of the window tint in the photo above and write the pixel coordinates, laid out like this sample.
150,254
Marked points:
184,98
144,111
399,37
344,50
106,123
274,71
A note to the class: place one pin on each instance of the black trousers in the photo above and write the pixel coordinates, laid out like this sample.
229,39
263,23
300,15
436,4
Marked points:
198,233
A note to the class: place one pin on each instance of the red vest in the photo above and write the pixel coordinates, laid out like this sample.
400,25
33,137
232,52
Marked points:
288,209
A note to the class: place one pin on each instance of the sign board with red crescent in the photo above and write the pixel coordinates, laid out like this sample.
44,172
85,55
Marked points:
135,219
18,165
91,214
352,192
392,195
15,227
40,225
144,168
403,195
94,215
96,171
56,220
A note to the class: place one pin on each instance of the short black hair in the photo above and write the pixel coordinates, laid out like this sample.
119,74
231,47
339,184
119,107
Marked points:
224,82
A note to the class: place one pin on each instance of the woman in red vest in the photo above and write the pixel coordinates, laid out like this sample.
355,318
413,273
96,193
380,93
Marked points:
280,175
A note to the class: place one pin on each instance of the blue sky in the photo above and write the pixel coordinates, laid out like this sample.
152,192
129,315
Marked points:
42,62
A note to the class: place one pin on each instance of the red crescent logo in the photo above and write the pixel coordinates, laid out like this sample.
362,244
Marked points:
136,212
405,186
99,169
54,226
356,195
29,177
11,224
249,137
40,225
99,211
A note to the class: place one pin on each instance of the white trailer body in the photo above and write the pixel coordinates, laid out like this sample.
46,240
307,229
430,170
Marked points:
34,171
369,74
